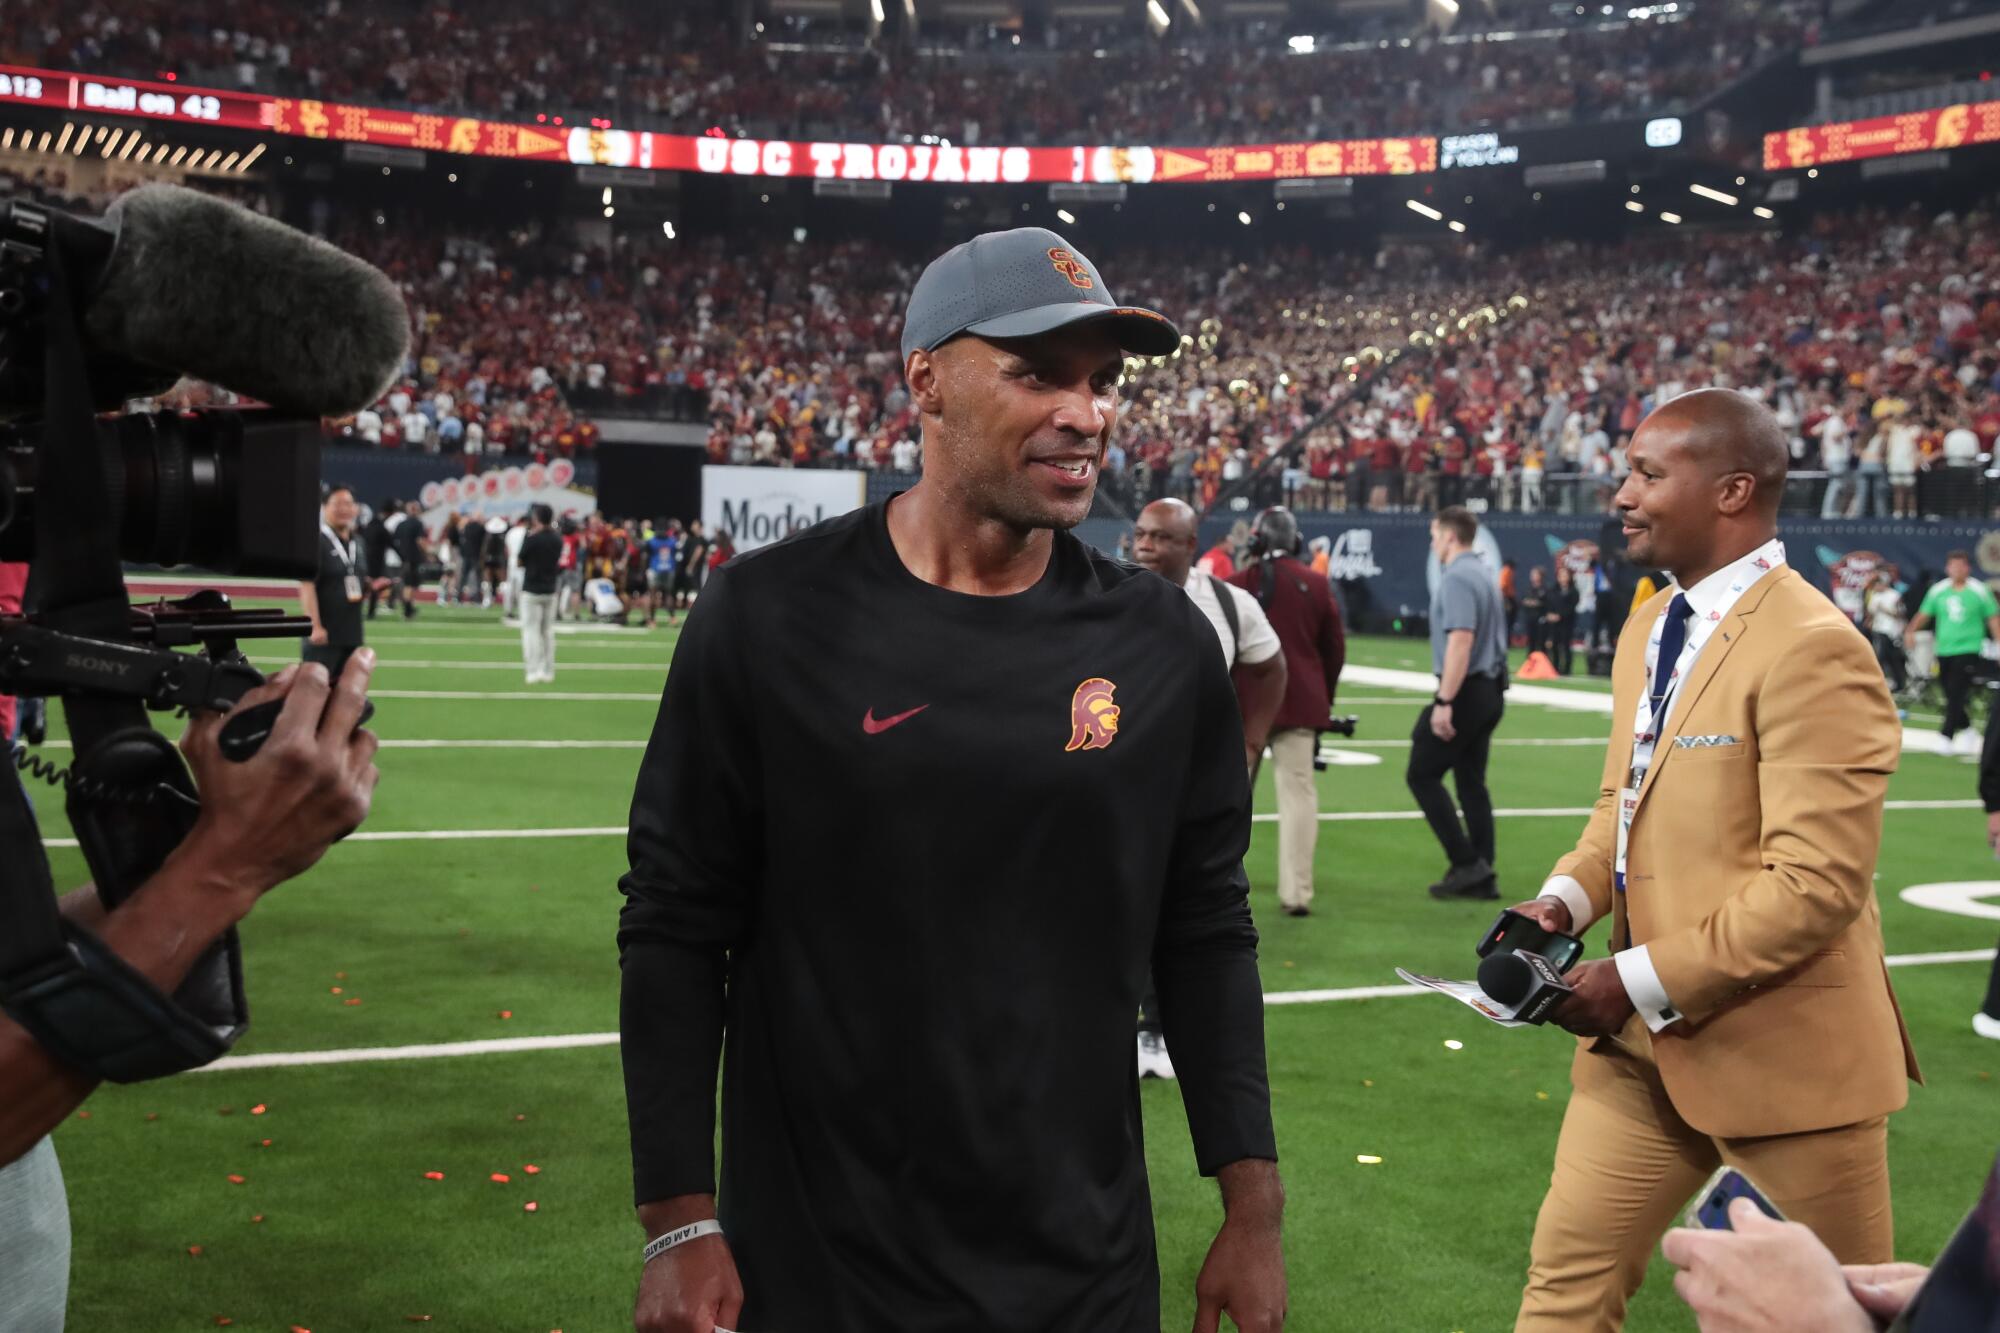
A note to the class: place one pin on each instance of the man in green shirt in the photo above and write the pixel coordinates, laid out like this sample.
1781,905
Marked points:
1965,612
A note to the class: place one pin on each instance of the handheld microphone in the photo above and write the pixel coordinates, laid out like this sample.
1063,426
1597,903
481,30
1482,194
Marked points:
1525,982
198,285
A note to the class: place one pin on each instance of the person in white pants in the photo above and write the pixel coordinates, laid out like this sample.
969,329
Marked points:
540,558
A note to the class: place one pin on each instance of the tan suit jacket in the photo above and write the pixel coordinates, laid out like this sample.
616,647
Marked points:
1750,874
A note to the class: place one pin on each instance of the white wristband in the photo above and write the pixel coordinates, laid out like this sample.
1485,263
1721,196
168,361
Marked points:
708,1226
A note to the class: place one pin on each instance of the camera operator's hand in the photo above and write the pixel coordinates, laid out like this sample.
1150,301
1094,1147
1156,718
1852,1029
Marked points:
318,637
272,816
693,1287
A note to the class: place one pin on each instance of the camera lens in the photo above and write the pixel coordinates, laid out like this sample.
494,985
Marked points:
225,490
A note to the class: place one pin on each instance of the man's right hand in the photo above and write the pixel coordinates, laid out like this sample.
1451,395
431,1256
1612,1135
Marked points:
1551,914
318,639
691,1288
272,816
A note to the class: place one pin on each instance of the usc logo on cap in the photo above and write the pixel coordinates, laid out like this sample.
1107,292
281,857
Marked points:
1093,718
1070,267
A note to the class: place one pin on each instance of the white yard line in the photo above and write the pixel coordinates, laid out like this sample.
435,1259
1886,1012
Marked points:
1328,817
511,1045
545,696
651,668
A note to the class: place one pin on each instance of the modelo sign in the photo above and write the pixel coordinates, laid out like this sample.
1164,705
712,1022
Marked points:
760,505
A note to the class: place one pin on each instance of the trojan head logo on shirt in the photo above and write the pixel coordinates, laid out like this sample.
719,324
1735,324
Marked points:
1093,718
1068,265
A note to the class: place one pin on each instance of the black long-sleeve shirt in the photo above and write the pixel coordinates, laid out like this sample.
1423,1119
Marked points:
895,840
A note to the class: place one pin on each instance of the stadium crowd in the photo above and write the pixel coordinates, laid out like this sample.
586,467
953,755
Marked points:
515,59
1873,334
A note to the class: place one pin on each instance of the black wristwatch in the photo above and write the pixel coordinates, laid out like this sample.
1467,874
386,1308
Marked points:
1440,700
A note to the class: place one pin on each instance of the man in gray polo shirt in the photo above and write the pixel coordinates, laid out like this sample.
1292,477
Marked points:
1454,734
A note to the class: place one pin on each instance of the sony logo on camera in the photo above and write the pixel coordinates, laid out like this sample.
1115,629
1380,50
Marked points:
97,665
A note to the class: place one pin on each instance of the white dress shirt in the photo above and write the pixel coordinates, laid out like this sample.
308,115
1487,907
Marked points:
1710,602
1259,640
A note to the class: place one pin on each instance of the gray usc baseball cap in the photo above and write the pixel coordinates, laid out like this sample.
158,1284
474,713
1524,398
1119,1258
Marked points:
1020,283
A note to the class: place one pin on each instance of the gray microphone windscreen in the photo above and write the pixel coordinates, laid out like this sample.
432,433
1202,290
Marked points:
201,285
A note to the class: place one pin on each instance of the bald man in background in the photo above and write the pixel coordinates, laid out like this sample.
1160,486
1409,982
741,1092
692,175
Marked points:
1745,1014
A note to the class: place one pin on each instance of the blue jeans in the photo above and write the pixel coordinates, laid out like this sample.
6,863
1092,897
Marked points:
1873,479
1838,492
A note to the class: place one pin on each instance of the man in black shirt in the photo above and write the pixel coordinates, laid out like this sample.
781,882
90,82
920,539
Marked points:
689,565
408,538
541,553
472,584
912,865
334,598
375,547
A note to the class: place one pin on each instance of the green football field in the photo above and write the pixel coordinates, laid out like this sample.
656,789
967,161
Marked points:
479,905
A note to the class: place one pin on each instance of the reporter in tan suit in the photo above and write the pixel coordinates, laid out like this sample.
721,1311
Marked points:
1746,1014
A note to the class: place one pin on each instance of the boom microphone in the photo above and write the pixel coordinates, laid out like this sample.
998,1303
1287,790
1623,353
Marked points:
201,286
1525,982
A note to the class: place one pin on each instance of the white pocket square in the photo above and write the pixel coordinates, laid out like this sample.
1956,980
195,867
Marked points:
1704,742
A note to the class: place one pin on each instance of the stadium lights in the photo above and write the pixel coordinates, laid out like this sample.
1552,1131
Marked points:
62,144
252,156
1716,195
7,137
130,145
1634,206
1243,218
1301,45
1763,213
1417,206
1674,218
875,11
610,211
1069,218
111,144
668,228
607,195
1456,225
1194,11
1158,13
1813,174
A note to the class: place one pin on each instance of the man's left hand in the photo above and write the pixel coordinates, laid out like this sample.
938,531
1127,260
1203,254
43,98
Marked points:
1245,1276
1441,726
1762,1277
1600,1005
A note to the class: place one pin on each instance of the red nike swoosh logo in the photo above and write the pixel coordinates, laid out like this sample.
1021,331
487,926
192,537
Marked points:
874,728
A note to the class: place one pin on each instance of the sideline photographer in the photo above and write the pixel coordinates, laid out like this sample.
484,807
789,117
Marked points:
139,975
1301,607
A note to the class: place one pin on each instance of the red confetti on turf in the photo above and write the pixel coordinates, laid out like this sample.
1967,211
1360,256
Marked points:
195,1250
351,1000
416,1319
532,1169
225,1110
298,1328
520,1117
83,1115
528,1207
256,1217
340,976
506,1013
263,1143
500,1178
433,1175
223,1321
152,1116
335,990
258,1109
236,1180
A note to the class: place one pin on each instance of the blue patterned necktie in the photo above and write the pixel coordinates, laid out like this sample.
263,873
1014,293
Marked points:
1673,638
